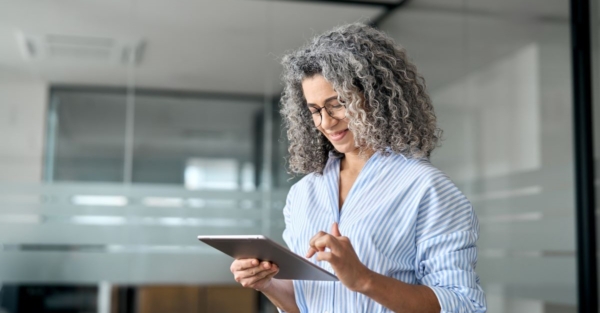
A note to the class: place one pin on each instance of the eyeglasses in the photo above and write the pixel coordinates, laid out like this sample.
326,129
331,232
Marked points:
336,111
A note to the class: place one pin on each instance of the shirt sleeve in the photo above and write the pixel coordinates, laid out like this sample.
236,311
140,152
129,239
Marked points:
287,218
446,235
287,237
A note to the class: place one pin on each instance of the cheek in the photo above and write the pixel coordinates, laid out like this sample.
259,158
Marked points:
344,123
350,136
321,130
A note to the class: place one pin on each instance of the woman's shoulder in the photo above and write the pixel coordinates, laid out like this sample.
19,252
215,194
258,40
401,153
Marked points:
423,165
419,168
305,181
314,178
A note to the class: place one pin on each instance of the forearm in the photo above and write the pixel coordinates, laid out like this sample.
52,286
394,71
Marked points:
281,293
399,296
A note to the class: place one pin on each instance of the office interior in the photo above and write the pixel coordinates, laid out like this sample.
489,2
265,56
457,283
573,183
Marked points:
129,127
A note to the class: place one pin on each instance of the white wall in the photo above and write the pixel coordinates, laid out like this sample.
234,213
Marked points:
22,130
491,119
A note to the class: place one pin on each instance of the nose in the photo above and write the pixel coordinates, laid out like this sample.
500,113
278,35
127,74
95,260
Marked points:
327,121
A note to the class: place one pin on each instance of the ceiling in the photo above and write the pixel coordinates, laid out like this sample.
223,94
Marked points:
234,46
228,46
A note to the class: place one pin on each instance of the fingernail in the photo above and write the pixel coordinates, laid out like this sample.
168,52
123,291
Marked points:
267,265
254,262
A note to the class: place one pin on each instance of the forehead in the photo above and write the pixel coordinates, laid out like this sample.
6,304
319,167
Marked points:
316,89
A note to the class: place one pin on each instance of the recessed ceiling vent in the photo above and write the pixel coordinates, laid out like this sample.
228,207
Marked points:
60,47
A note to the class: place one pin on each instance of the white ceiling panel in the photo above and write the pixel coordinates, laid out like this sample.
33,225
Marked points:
234,46
230,46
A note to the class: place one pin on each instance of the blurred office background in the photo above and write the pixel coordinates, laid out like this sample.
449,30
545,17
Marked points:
128,128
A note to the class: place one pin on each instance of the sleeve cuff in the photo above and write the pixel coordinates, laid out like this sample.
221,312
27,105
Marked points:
446,298
450,302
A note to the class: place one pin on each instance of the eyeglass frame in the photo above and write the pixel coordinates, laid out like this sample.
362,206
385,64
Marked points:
328,110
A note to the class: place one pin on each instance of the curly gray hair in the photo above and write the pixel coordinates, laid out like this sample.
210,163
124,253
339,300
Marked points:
386,103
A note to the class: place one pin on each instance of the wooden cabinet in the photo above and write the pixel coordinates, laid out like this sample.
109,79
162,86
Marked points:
196,299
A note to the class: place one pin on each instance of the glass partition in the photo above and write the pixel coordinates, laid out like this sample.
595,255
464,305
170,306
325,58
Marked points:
499,74
128,129
131,127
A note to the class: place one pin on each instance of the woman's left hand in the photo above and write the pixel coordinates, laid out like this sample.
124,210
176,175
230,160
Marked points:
342,257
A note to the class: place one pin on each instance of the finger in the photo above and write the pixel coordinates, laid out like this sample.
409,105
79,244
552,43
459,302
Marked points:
271,274
313,247
262,275
324,256
241,276
311,252
248,273
326,238
327,241
238,264
244,264
265,264
254,280
335,230
315,237
264,280
344,239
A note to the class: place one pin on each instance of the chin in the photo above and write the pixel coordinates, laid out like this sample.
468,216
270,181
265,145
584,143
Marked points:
344,148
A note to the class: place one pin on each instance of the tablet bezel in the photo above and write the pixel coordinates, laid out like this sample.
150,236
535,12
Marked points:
299,269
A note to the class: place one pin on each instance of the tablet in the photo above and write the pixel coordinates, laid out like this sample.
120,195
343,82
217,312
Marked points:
291,265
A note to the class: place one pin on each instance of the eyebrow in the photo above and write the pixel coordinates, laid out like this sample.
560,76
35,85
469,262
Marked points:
326,100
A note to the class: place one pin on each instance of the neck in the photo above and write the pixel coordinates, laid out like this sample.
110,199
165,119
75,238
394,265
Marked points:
354,162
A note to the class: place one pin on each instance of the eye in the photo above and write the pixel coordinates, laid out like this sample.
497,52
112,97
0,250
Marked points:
337,106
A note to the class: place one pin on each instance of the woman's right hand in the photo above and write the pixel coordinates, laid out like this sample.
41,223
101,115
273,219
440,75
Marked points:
253,274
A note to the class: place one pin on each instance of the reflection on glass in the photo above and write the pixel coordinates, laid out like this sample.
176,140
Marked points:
498,78
212,174
203,85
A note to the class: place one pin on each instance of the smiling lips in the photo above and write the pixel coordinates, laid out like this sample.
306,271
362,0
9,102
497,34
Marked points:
337,135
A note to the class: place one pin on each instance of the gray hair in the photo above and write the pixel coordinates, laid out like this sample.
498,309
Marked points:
386,103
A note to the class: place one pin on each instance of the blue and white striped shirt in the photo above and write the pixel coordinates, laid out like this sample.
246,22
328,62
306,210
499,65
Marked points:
405,219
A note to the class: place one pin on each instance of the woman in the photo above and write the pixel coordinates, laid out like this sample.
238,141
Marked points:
402,236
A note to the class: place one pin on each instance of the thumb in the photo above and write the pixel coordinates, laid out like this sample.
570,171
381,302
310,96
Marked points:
335,230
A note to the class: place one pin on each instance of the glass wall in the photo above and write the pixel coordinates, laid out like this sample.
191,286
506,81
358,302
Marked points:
130,127
499,74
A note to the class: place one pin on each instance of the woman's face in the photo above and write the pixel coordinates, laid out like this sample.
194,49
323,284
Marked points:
319,93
